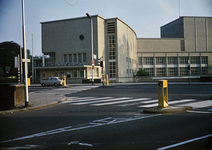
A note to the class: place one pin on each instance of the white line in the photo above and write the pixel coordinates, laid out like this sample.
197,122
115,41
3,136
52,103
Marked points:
184,142
172,102
131,100
201,112
115,99
89,99
69,128
199,104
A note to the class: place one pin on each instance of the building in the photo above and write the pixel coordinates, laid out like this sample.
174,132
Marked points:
66,47
184,49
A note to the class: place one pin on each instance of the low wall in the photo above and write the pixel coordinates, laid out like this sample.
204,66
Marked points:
11,95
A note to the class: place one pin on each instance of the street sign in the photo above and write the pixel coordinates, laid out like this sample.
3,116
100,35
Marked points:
93,61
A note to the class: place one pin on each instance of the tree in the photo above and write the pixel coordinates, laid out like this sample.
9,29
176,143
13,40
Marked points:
142,72
1,72
8,50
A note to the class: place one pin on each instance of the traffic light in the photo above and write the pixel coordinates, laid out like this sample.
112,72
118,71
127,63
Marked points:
99,62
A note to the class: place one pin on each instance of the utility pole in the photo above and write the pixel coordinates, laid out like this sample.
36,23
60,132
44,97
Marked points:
32,62
25,60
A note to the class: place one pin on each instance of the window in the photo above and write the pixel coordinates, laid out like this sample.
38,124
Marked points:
172,72
182,44
160,60
127,59
112,47
195,71
43,75
140,60
204,60
65,58
183,71
112,69
112,55
79,58
84,57
204,70
150,70
161,71
195,60
172,60
183,60
75,74
49,74
70,58
81,74
75,57
148,61
68,74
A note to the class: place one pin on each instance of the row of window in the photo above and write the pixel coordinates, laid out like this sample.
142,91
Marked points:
80,57
183,71
172,60
69,74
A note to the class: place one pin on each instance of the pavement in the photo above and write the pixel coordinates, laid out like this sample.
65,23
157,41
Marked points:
41,99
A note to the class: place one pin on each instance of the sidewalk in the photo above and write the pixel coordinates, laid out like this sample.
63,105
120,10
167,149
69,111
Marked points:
37,100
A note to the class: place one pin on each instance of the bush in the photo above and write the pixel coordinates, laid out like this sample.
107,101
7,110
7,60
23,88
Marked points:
142,73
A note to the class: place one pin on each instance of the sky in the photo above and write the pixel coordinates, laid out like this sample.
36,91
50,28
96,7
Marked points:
145,17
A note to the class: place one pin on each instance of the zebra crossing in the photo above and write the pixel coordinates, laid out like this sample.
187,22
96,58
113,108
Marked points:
130,101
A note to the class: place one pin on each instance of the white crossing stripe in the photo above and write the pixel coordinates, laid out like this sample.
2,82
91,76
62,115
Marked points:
131,100
139,102
87,99
90,102
201,104
171,102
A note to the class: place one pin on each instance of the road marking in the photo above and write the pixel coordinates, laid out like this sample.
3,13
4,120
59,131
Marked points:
131,100
184,142
171,102
88,99
95,123
90,102
199,104
201,112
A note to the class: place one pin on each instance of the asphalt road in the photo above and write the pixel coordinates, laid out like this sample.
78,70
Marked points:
82,124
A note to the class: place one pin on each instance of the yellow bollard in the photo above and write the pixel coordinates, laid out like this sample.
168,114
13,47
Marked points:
162,99
28,81
64,80
106,80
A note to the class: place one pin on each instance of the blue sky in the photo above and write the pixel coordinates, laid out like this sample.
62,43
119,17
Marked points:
145,17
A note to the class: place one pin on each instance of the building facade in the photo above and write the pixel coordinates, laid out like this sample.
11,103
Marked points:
184,49
66,47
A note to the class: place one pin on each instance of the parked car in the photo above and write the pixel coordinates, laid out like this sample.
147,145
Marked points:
55,81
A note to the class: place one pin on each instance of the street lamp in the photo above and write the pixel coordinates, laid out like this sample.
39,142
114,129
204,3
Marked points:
91,43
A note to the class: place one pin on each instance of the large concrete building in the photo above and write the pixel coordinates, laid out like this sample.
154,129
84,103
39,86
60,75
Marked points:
66,45
184,42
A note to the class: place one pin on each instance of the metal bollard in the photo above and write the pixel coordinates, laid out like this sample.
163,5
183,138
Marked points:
162,93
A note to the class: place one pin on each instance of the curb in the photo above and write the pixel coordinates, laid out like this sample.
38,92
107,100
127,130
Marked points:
31,108
169,109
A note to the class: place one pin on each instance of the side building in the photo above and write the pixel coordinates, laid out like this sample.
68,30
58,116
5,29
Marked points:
184,49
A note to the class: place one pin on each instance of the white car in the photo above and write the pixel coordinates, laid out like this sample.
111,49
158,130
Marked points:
51,81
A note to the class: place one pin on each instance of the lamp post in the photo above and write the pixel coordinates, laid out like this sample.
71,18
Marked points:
91,43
